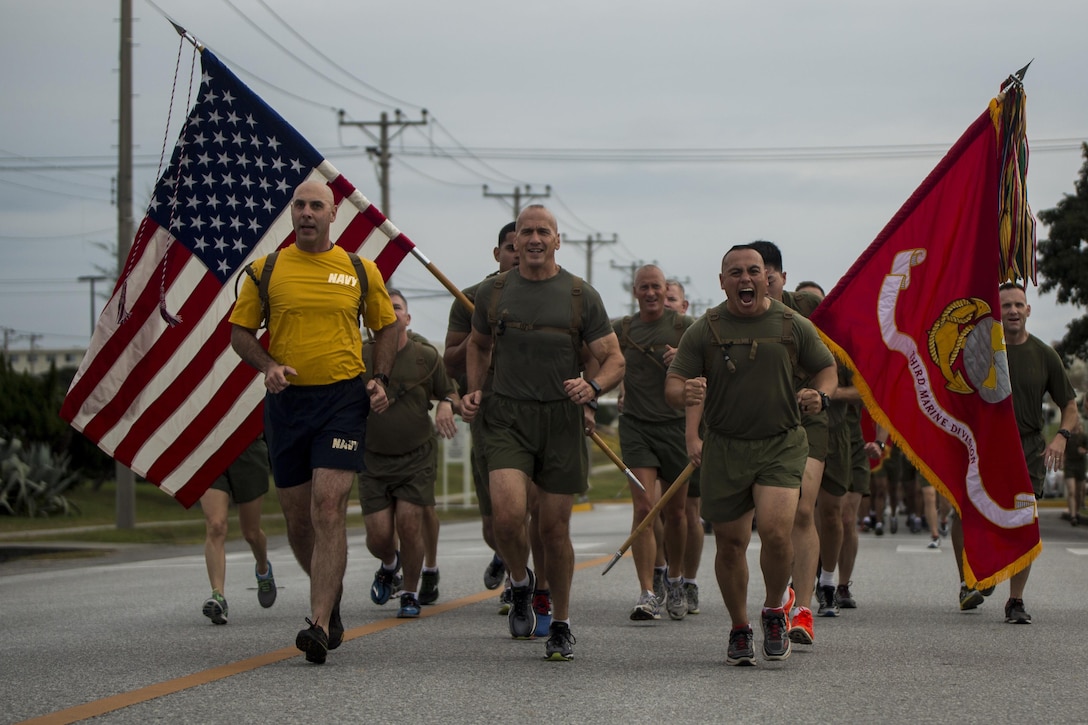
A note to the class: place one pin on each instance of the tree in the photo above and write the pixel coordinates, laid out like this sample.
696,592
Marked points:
1063,259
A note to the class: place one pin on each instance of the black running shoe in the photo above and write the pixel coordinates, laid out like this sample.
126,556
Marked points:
428,587
844,598
741,652
314,642
336,627
1014,612
494,573
560,646
825,595
776,640
386,582
522,618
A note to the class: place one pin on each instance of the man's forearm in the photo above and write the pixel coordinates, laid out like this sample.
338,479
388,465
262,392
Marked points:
249,348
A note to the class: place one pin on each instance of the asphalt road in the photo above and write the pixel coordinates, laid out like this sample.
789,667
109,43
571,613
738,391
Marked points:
122,638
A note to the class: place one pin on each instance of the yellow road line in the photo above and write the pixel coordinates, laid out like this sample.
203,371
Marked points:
169,687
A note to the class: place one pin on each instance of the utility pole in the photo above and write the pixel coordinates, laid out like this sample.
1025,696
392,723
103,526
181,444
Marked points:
382,149
126,480
630,286
517,195
590,242
92,278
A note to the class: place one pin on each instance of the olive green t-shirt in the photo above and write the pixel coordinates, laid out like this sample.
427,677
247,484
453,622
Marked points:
417,377
461,321
757,400
1035,368
804,302
643,349
531,364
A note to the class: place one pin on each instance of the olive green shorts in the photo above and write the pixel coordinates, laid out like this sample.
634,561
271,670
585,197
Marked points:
898,467
654,445
246,479
860,472
545,441
846,469
479,466
731,467
406,477
816,428
1034,447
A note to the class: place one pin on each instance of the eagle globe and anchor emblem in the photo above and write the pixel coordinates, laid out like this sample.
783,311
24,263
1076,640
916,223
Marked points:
968,346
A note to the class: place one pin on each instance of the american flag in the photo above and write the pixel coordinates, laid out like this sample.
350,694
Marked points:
160,388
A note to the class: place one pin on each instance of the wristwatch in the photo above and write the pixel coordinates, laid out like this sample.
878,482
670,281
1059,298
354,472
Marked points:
596,388
825,400
382,378
1065,433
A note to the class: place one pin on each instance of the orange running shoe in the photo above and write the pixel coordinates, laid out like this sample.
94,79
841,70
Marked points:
801,627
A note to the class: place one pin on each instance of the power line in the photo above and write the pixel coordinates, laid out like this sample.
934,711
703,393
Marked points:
301,38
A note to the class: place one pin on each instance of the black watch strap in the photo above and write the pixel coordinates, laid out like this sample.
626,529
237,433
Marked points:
382,377
825,400
596,388
1064,433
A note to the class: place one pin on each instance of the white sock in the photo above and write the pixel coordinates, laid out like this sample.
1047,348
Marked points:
827,578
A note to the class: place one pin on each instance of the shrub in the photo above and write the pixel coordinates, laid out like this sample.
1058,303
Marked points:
33,480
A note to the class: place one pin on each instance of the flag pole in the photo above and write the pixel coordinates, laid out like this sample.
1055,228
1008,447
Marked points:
680,481
390,230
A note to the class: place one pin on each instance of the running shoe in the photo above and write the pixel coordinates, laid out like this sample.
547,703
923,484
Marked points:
646,608
844,598
659,586
542,607
522,618
386,582
825,595
988,590
894,524
505,599
943,529
879,528
801,630
428,587
776,640
215,608
675,604
494,573
336,627
266,587
691,593
313,642
970,598
935,543
560,646
1014,612
741,652
409,606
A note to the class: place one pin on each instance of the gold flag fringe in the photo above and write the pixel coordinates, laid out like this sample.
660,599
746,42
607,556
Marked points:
881,418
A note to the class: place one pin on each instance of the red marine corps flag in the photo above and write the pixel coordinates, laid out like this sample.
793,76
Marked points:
160,388
918,319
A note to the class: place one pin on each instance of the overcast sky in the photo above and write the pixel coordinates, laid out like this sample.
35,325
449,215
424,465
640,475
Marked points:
827,116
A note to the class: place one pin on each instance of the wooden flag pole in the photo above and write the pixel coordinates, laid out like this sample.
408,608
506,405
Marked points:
680,481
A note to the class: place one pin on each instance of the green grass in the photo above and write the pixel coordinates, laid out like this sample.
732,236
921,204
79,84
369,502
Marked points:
162,520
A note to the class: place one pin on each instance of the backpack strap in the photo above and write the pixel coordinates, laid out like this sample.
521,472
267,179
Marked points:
786,338
625,340
499,325
266,279
262,283
364,282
